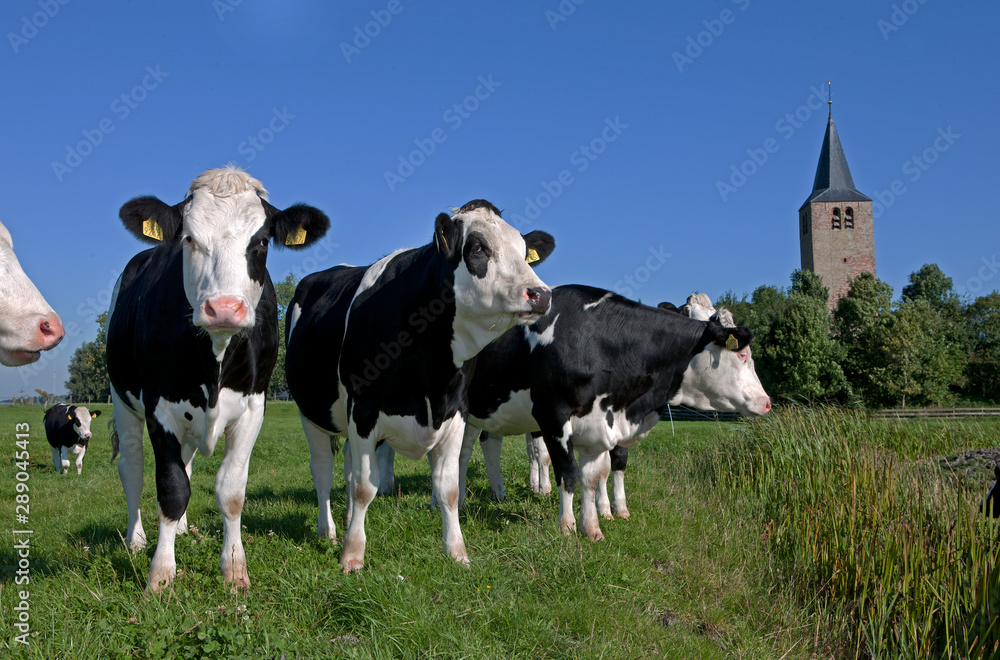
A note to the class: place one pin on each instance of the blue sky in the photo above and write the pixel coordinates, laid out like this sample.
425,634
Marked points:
614,126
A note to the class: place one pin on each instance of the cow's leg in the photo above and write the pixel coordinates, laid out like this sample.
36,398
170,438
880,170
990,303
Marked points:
386,458
173,491
130,465
560,450
79,450
538,464
593,475
444,474
56,459
469,436
492,444
321,467
187,455
63,460
363,486
601,489
231,488
619,460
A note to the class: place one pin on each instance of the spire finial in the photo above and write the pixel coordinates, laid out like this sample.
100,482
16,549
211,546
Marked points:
829,95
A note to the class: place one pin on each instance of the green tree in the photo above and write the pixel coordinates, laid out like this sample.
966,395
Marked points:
793,350
861,324
983,371
927,360
284,290
88,371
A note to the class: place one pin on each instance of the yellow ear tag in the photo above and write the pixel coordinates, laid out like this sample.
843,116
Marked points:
298,238
152,229
732,344
69,416
532,256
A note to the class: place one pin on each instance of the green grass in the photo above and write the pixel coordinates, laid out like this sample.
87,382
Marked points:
696,573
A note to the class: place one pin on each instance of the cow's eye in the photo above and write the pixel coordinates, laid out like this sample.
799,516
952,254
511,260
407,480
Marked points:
477,249
189,240
743,355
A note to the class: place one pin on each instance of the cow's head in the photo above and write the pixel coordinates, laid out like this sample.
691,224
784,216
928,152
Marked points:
225,226
27,323
721,376
80,418
495,284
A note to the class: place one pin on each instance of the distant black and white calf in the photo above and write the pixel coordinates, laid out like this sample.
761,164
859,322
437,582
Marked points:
65,427
192,341
592,376
27,323
384,352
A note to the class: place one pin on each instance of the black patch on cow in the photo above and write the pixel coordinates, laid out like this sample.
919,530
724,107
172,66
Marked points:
188,416
448,238
992,503
477,254
173,488
619,458
610,416
257,254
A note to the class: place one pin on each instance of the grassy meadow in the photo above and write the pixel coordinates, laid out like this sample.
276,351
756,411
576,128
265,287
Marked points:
804,534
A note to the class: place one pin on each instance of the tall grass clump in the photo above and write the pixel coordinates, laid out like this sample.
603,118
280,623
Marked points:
863,525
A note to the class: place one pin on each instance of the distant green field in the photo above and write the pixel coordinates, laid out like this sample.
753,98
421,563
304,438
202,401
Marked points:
691,575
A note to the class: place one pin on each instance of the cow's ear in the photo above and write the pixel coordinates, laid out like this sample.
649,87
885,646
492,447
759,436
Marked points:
735,339
668,307
298,226
447,235
151,220
95,413
539,246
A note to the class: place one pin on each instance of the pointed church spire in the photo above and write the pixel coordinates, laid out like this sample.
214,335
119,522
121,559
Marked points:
833,182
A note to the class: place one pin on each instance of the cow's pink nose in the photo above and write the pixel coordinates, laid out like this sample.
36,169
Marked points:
224,311
50,332
766,407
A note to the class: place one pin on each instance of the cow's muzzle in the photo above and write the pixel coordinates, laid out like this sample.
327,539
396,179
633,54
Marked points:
539,299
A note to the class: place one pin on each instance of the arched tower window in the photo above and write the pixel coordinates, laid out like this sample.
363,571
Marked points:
848,218
836,218
804,220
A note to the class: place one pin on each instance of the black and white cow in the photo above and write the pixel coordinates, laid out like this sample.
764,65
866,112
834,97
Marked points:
384,352
698,306
592,376
65,427
991,505
27,323
192,340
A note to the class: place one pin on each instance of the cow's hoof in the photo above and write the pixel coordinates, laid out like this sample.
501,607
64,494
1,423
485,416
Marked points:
159,580
353,565
595,536
607,515
623,514
238,580
569,530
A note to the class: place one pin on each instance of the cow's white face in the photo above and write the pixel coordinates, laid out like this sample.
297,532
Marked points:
224,227
725,380
494,278
495,285
27,323
81,417
225,241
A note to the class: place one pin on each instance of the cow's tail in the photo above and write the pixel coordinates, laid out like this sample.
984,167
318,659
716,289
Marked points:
113,436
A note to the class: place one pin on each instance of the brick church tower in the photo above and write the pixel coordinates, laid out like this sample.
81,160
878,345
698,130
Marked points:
836,235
